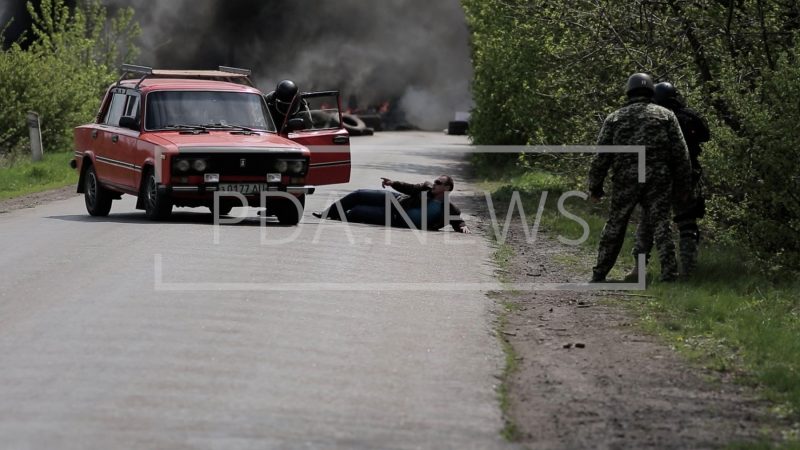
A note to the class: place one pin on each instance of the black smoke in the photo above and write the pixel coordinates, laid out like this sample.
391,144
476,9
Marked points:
414,52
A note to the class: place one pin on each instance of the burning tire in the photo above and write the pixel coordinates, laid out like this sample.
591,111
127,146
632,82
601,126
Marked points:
355,126
373,121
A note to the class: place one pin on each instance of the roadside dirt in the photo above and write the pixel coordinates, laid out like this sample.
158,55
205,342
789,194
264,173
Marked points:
588,378
33,200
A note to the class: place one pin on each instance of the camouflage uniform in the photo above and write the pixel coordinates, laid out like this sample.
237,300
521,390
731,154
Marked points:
640,122
695,131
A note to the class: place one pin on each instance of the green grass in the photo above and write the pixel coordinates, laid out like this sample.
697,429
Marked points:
510,432
731,317
502,257
25,177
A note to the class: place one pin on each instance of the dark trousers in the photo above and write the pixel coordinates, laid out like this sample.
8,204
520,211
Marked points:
363,206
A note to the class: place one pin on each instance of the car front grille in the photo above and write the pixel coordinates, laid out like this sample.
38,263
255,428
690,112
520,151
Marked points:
240,164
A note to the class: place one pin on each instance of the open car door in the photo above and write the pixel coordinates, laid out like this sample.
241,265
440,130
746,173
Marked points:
324,135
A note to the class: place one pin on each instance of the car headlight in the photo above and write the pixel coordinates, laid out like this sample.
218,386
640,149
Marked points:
281,166
200,165
296,167
183,165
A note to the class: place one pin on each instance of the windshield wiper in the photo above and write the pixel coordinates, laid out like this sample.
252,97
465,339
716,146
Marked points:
185,127
230,127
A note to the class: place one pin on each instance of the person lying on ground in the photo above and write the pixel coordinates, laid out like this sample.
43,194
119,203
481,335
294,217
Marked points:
421,206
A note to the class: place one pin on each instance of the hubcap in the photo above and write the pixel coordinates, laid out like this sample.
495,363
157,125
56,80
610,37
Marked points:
91,189
152,192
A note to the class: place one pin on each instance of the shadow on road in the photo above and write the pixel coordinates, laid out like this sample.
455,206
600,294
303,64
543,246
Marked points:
175,218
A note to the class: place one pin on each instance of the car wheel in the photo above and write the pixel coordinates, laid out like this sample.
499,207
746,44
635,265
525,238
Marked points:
224,208
156,206
98,199
286,210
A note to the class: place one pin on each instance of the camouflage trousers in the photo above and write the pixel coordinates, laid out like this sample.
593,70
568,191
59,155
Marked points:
686,216
655,200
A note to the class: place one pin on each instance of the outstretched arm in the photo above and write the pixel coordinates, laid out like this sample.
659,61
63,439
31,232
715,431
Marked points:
406,188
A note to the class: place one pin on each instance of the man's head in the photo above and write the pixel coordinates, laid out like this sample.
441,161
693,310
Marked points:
639,85
442,184
285,93
666,95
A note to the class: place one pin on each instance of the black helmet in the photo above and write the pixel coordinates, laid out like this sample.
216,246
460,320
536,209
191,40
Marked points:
284,95
665,93
639,84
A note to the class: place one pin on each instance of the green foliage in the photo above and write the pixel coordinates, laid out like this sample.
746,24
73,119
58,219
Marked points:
548,72
68,63
25,177
746,325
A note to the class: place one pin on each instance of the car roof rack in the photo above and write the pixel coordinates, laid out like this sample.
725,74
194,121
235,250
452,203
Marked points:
230,74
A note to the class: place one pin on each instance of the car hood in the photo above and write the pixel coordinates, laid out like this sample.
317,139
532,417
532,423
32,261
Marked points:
224,140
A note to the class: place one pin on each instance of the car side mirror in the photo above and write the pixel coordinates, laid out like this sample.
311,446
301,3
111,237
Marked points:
129,122
295,125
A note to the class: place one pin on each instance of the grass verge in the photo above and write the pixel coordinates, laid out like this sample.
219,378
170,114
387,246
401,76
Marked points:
25,177
510,432
731,317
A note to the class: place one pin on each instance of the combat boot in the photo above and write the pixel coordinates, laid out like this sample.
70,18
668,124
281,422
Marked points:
597,277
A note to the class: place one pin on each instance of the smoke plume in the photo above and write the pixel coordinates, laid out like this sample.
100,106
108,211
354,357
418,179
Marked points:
414,53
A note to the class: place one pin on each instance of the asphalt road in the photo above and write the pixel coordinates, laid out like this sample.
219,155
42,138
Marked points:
122,333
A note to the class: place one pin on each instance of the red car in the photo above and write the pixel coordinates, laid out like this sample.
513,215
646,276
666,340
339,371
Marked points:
175,138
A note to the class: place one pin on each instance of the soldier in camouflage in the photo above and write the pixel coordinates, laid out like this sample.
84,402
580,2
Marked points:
643,123
695,131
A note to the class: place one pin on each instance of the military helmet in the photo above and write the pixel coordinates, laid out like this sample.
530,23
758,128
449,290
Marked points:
639,84
664,92
284,95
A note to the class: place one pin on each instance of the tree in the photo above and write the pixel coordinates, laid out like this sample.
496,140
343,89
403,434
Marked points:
549,71
67,65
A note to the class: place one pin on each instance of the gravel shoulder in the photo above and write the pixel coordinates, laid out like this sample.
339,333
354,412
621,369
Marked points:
587,377
36,199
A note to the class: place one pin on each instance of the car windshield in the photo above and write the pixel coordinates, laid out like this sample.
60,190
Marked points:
207,109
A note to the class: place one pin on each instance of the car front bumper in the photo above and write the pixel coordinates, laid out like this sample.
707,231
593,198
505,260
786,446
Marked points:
169,190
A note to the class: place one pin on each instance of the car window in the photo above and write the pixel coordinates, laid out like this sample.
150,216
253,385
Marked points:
171,108
319,112
132,106
115,110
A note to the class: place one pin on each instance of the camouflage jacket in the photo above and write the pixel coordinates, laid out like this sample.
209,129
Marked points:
641,122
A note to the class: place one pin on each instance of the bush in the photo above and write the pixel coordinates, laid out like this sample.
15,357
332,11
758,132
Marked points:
62,72
548,72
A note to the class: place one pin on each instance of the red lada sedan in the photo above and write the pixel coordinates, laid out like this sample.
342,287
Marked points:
177,138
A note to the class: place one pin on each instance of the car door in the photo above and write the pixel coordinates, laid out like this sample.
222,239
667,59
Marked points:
108,170
325,137
115,145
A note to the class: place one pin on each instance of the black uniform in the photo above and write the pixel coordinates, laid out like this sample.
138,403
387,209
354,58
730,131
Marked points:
695,131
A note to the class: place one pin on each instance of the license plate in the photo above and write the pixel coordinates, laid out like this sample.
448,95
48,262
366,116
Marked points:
245,189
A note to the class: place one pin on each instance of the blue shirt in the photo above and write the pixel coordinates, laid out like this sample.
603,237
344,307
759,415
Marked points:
435,214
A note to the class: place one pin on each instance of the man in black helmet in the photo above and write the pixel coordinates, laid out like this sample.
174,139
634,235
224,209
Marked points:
282,102
695,132
640,122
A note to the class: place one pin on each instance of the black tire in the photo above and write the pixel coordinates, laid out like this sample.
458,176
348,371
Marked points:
224,208
354,125
373,121
156,206
458,128
286,210
98,199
